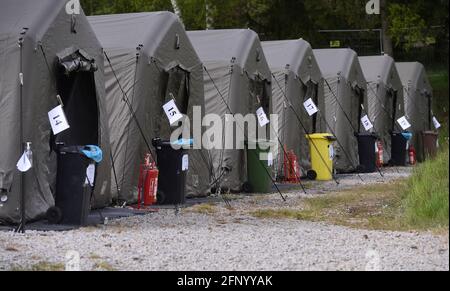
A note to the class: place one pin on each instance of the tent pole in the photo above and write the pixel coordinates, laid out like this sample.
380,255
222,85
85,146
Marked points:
21,227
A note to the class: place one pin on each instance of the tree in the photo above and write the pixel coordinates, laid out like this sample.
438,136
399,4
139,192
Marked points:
407,27
385,27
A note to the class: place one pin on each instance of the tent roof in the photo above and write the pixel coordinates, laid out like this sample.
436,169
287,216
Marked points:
381,69
340,61
37,16
222,46
414,75
128,31
297,54
214,45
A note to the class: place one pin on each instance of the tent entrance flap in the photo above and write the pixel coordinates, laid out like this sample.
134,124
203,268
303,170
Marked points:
357,108
78,94
360,94
259,98
312,92
76,86
175,85
392,101
77,89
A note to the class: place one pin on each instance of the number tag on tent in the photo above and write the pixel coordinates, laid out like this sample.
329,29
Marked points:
270,159
172,112
331,152
367,123
437,125
58,120
404,123
262,117
310,107
185,163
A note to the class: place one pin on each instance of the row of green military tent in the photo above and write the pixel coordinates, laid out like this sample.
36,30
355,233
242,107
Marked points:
114,73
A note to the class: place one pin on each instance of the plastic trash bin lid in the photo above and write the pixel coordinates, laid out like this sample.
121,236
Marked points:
368,134
326,136
261,142
433,133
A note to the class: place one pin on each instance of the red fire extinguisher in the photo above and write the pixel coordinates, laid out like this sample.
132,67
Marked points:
412,156
148,182
380,154
292,168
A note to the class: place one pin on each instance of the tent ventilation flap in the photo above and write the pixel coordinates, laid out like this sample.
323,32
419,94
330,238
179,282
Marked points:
78,61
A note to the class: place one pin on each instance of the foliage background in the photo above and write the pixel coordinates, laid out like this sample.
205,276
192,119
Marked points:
418,29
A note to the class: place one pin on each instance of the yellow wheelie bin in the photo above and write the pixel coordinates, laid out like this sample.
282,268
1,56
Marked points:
322,156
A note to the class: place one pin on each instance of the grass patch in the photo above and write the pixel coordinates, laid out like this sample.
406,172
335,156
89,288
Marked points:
426,198
284,214
415,204
104,266
41,267
204,209
371,207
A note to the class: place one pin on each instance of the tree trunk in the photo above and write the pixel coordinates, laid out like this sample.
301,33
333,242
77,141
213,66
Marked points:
387,41
209,16
177,9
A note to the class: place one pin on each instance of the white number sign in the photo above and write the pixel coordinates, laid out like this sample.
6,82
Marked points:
172,112
437,125
310,107
262,117
404,123
367,123
58,120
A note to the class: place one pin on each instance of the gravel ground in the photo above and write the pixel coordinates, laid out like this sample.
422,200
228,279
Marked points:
231,240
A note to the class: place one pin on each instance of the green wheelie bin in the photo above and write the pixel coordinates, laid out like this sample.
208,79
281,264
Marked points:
260,161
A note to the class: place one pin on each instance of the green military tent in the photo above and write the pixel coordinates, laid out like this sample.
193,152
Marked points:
237,80
345,92
59,55
418,95
385,97
150,61
296,77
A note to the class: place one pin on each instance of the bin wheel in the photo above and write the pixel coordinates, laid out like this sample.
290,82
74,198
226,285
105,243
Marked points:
247,188
160,197
312,175
54,215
